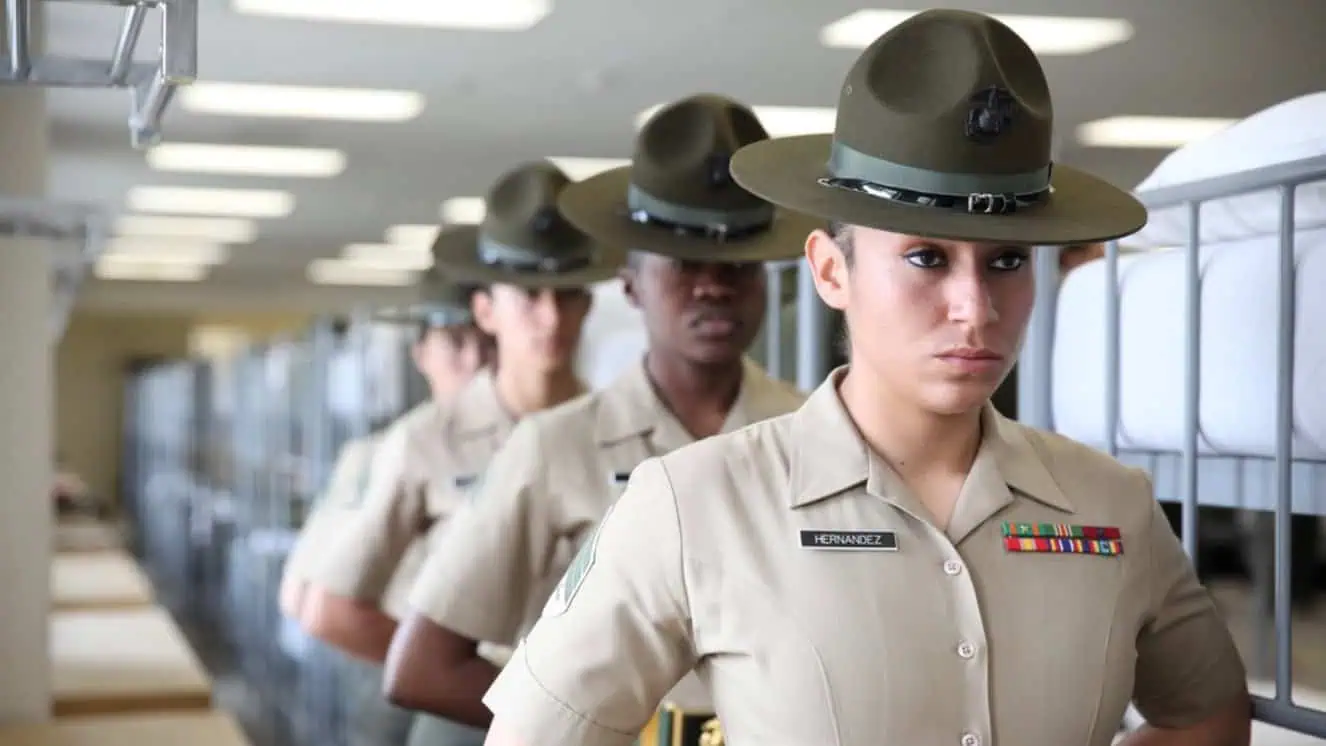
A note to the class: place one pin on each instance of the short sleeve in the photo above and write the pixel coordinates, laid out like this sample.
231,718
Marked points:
1187,665
362,559
483,570
616,635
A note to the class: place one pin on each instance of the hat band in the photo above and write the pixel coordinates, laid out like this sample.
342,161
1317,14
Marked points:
699,222
439,316
520,259
975,193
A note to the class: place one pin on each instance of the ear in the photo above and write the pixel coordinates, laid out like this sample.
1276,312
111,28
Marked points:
481,303
627,275
829,269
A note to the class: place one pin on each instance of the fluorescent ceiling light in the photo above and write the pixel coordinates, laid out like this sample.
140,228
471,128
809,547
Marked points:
297,102
578,169
1047,35
463,211
251,160
488,15
166,251
412,235
1148,132
248,203
108,268
342,272
218,230
388,256
778,121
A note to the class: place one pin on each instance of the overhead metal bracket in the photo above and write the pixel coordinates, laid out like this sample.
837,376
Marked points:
71,224
151,85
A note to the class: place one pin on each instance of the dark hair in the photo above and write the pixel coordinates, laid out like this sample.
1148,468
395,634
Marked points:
841,233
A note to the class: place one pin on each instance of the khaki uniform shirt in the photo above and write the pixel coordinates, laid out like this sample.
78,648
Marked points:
789,565
343,491
547,489
422,472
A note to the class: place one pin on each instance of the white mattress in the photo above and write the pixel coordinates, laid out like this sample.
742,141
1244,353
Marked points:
1285,132
1238,350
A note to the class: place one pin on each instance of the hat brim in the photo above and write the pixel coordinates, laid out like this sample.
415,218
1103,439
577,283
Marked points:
1081,209
455,258
597,206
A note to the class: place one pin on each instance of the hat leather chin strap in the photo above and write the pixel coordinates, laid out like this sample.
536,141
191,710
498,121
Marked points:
990,194
697,221
529,261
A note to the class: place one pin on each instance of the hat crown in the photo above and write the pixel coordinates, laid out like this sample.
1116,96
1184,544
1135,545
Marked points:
521,211
682,153
949,91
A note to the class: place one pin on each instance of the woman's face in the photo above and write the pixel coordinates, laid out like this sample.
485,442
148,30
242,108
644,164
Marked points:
937,323
448,357
535,329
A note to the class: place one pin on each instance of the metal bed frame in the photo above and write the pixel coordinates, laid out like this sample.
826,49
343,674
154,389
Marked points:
151,85
1280,478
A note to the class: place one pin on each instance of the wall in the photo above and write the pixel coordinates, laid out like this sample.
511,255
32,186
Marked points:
91,364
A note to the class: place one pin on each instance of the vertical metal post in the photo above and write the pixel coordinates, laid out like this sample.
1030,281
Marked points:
1284,443
20,56
1035,364
1113,384
773,320
1192,378
812,342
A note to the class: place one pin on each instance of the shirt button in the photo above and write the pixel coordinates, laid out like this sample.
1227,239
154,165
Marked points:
971,739
966,650
952,567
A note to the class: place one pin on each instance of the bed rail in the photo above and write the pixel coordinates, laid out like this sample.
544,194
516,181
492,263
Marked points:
1036,379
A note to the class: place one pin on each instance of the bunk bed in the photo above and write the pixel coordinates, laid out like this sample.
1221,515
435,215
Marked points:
1198,351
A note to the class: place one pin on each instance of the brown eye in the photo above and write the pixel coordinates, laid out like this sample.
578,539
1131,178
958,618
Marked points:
926,258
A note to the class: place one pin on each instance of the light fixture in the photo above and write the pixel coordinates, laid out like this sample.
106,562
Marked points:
249,203
577,168
412,235
166,251
342,272
388,256
299,102
778,121
217,230
1148,132
116,268
463,211
251,160
1046,35
489,15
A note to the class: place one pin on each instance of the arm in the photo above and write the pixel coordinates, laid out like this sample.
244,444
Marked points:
1190,682
342,605
623,607
435,670
477,585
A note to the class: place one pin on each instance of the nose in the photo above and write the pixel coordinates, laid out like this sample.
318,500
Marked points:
548,309
970,301
716,280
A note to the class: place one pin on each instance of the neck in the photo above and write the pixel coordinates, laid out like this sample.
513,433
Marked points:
916,443
523,392
700,397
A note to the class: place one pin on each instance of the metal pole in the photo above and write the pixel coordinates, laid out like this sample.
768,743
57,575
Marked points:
1035,364
1112,352
1284,443
1192,380
812,345
773,320
20,59
122,57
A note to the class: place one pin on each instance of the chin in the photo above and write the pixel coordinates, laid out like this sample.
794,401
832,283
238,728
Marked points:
951,399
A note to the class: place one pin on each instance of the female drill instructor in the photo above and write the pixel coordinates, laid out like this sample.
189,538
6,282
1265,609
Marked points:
697,275
895,562
533,269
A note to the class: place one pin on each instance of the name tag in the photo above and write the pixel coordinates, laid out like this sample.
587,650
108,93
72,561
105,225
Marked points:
868,541
465,481
619,478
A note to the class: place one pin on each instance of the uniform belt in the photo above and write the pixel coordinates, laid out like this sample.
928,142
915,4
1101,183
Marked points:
673,726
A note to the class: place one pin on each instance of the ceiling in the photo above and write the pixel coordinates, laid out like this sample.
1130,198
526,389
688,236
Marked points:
572,86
